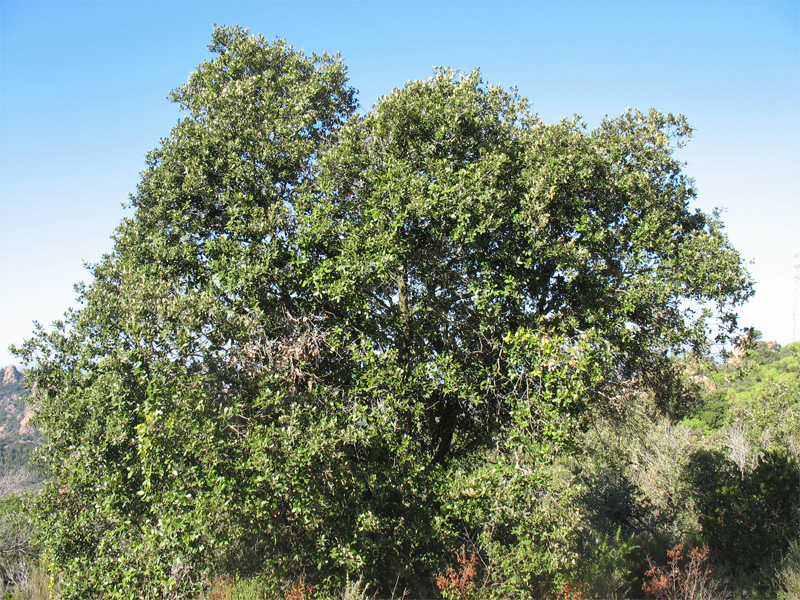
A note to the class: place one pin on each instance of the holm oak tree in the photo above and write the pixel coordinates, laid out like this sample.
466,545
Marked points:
316,323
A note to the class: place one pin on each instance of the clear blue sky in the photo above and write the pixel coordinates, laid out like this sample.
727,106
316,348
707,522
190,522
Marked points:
84,85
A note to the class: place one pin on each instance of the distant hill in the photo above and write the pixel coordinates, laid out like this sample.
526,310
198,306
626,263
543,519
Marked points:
17,436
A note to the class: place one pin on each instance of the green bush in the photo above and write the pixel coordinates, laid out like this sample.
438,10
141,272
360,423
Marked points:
609,567
788,577
749,519
19,556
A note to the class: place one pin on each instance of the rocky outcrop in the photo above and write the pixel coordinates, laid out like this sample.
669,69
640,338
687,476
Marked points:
16,413
11,375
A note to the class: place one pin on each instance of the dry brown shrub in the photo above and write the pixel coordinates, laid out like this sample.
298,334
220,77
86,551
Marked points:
221,588
686,577
571,591
298,590
459,583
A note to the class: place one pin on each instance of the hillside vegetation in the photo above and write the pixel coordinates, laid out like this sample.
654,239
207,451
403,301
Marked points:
18,482
722,482
440,349
17,437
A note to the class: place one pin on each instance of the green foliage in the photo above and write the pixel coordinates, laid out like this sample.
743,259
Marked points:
12,389
18,552
329,346
764,373
749,519
608,566
519,516
745,484
15,456
788,577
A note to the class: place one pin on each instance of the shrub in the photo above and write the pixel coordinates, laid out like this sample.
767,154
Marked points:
686,577
748,519
608,567
788,577
459,584
18,553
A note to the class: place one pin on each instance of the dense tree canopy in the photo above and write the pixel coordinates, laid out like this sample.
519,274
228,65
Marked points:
318,329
